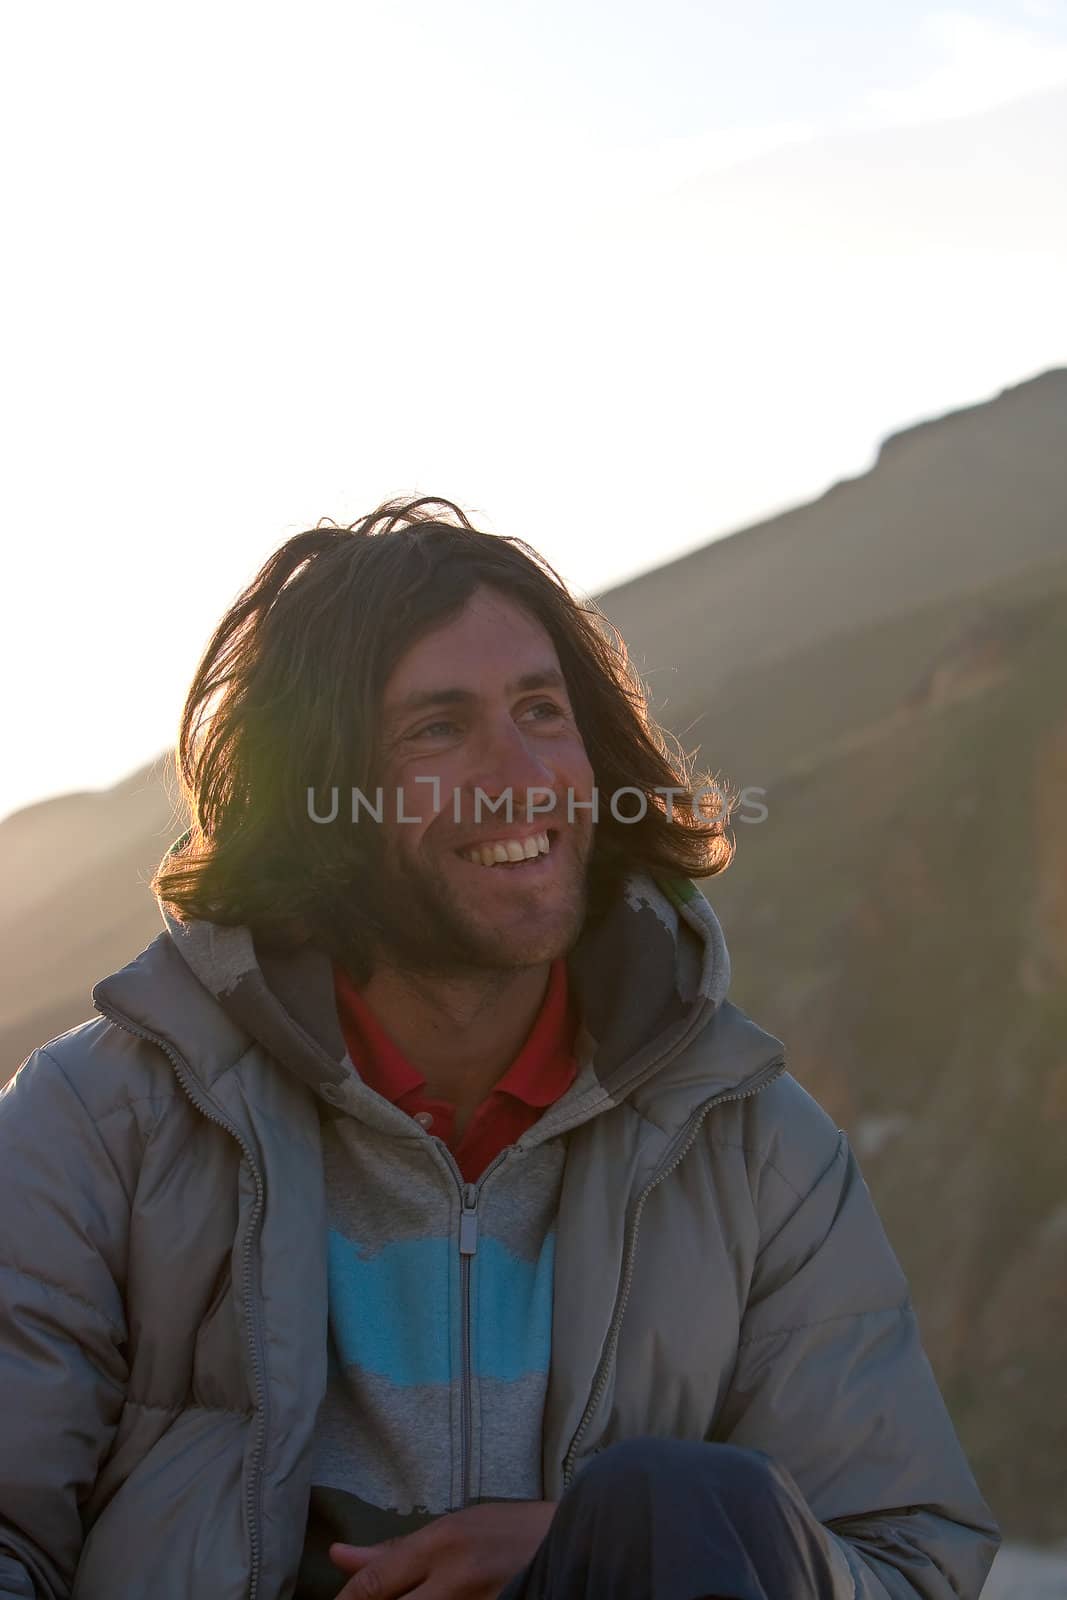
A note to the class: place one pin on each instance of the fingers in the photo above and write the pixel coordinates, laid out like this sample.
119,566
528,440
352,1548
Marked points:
350,1557
382,1571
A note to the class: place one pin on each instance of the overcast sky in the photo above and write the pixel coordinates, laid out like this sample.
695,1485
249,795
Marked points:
617,278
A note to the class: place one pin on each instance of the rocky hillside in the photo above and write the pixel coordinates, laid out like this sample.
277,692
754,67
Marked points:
900,919
888,666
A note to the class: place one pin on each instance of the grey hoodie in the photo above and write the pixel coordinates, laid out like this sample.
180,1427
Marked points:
192,1183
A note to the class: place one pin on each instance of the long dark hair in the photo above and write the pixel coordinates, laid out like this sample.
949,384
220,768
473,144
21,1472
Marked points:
291,684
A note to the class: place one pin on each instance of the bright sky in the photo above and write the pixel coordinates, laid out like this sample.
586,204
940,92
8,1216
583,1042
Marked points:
619,278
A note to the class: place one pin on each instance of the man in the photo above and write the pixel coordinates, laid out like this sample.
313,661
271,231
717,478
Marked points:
418,1216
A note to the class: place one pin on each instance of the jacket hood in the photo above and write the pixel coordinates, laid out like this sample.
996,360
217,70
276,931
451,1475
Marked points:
650,977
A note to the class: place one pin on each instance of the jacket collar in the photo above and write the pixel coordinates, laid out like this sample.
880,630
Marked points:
650,978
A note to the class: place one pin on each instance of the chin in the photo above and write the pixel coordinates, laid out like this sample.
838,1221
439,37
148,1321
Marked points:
527,949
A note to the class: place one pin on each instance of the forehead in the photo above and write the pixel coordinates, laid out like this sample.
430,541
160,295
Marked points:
492,638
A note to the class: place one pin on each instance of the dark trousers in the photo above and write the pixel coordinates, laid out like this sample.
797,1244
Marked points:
673,1519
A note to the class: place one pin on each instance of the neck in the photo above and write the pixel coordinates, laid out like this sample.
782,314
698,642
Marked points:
461,1033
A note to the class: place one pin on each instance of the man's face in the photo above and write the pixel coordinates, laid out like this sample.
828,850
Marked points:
480,703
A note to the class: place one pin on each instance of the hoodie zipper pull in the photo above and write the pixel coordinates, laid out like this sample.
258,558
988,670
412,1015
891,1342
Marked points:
468,1221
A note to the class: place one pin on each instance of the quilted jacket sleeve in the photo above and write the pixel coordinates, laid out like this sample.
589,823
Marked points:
833,1383
64,1225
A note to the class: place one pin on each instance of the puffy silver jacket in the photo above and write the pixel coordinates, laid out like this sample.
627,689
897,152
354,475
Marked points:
720,1274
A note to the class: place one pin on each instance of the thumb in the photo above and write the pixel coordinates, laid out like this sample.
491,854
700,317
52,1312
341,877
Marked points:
350,1557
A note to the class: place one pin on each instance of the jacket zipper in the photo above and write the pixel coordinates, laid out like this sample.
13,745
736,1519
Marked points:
254,1490
470,1194
767,1074
468,1244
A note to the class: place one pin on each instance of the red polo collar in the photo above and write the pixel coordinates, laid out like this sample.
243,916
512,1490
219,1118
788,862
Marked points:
542,1071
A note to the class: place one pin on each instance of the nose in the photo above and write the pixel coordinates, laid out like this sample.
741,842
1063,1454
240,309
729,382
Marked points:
505,762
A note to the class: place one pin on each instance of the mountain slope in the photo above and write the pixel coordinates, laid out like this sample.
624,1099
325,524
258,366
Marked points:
900,919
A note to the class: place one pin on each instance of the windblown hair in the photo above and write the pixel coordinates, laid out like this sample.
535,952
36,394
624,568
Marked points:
288,695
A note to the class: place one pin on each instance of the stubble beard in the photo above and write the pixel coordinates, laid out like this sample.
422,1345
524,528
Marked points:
424,931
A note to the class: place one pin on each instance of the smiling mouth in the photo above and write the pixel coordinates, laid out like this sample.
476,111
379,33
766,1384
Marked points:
508,852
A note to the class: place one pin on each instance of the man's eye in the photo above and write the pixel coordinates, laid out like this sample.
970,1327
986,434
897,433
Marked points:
443,729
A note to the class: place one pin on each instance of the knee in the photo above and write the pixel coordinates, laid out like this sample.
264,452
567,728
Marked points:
732,1474
637,1458
743,1477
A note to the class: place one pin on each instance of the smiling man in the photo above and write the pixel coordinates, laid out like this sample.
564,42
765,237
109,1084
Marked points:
418,1215
476,907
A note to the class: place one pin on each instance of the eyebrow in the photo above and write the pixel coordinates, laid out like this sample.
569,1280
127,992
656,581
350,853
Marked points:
423,699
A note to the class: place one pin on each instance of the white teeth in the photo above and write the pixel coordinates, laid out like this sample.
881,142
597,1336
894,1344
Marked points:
488,855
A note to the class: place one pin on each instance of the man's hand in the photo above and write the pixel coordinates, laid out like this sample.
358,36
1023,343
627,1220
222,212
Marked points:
464,1555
